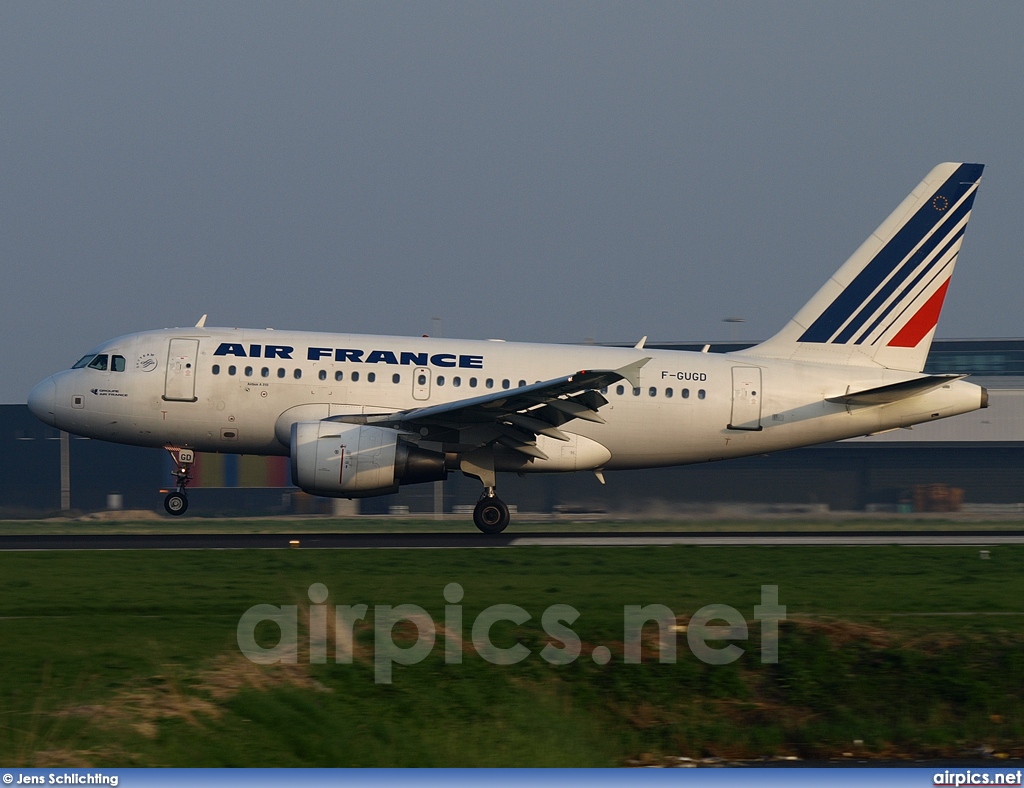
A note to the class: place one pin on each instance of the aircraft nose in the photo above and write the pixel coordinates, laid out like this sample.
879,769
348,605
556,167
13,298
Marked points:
42,402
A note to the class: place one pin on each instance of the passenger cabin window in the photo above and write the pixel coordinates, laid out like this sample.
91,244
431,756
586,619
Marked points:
232,370
396,378
456,381
489,383
420,381
701,394
117,363
636,392
265,372
355,377
440,380
371,377
472,383
668,393
248,372
522,383
83,361
215,369
653,392
280,372
297,374
505,383
685,393
339,375
323,374
100,362
620,390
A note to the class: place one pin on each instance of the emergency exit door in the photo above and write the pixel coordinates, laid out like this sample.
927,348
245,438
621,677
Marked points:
421,383
180,379
746,398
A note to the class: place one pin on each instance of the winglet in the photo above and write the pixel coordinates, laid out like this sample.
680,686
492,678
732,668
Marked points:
641,343
631,372
202,322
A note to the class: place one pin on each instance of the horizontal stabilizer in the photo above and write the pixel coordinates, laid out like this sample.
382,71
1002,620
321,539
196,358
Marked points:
895,391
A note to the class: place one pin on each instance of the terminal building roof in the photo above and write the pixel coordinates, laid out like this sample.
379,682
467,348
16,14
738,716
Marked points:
982,357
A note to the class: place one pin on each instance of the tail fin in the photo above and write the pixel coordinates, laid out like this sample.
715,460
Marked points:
882,306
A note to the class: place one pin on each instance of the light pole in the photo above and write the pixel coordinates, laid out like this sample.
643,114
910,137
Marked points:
435,330
65,472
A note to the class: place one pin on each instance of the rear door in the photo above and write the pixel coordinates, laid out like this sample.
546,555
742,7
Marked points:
180,382
746,398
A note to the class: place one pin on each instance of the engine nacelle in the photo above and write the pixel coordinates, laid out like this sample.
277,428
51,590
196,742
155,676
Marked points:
356,461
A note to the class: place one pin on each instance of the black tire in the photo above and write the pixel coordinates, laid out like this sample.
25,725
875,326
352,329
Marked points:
491,515
176,503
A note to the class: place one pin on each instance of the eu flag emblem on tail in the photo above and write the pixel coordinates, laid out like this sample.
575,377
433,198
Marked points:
882,306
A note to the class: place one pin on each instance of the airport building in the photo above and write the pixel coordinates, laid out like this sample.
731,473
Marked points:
980,453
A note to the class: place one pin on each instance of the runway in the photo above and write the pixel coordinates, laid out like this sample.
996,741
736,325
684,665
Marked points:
441,540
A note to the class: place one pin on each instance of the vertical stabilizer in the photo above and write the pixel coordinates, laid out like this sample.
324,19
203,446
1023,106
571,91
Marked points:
881,308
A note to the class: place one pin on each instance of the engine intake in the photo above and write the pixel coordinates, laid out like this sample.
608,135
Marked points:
357,461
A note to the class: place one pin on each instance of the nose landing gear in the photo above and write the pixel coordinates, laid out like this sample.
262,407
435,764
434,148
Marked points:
176,503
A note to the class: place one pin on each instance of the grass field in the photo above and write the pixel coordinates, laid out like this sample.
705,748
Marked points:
130,658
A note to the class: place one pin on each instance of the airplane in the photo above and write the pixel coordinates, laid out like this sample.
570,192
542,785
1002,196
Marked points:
362,415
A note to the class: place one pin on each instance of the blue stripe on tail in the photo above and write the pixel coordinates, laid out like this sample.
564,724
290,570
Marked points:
906,290
890,257
929,246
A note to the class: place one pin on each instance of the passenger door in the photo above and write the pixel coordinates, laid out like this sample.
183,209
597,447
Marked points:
180,381
746,399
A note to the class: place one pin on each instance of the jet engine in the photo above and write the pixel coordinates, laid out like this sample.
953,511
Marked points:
357,461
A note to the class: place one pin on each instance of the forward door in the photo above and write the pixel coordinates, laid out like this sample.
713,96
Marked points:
180,380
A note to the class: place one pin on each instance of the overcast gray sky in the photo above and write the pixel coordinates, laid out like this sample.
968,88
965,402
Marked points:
532,171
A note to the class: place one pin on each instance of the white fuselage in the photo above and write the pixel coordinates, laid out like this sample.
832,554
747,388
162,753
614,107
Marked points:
241,390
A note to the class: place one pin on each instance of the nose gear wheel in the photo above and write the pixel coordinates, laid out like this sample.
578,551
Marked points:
176,503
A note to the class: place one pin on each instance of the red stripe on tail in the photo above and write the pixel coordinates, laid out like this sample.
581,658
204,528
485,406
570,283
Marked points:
924,321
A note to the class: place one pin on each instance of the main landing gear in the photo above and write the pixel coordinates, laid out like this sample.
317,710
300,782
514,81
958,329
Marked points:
176,503
491,514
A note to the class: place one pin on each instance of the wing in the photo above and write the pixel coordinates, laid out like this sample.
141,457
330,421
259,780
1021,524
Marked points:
513,418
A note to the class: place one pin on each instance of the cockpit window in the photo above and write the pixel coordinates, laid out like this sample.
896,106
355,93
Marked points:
100,362
83,361
117,363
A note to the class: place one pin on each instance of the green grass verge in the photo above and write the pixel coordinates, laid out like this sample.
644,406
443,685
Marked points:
130,658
